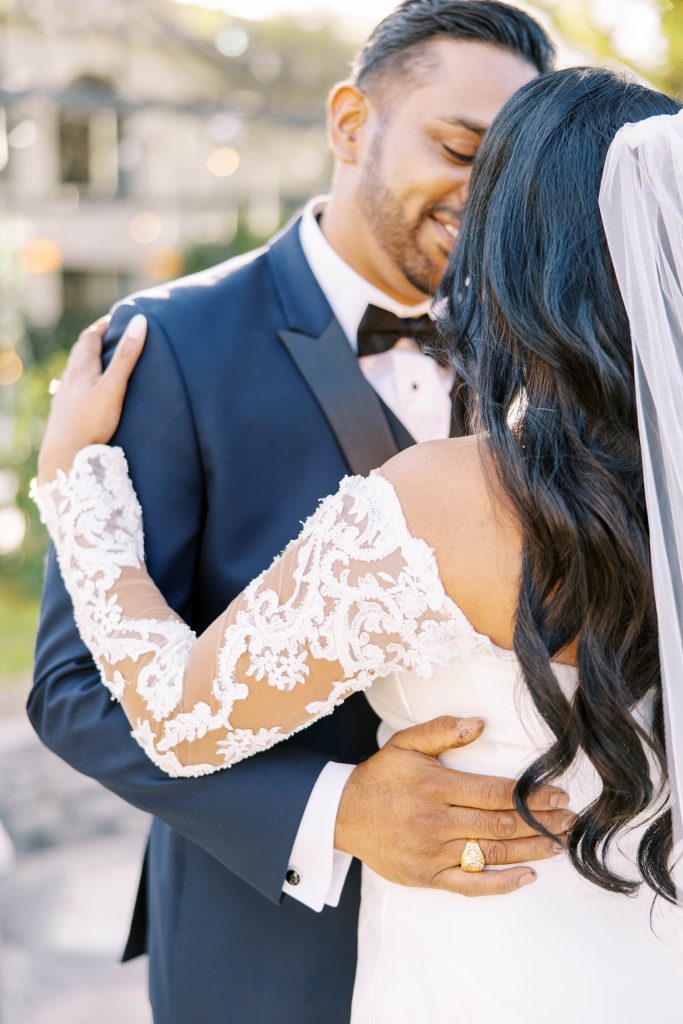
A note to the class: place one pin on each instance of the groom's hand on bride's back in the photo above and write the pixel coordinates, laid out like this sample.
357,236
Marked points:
408,817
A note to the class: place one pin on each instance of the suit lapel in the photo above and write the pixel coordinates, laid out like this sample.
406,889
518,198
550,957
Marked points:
358,418
402,436
367,431
351,407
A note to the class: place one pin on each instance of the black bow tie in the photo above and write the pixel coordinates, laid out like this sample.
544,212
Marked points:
379,330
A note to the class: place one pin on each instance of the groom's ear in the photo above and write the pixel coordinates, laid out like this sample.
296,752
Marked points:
348,113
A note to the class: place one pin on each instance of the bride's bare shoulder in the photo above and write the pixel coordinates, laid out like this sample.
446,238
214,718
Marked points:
450,496
440,479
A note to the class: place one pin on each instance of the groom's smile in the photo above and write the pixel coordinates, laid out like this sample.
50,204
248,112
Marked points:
447,224
405,142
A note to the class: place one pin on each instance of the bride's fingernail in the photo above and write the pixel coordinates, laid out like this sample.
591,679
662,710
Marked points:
137,327
527,879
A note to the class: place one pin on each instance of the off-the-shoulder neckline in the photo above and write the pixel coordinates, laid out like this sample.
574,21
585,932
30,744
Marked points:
484,642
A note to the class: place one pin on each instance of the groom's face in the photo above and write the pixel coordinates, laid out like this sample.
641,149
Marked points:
423,132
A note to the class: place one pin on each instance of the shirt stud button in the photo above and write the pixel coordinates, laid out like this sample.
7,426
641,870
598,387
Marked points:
292,877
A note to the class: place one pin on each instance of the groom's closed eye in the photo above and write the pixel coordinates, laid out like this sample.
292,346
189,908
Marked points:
459,140
463,158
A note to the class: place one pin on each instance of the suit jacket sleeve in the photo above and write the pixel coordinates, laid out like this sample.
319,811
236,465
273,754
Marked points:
247,818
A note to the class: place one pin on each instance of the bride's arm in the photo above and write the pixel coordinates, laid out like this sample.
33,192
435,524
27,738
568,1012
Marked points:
354,596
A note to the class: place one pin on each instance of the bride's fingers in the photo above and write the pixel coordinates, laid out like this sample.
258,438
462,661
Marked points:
484,883
85,359
115,378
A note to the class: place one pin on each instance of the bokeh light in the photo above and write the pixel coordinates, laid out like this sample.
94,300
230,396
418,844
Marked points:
23,135
146,227
9,486
11,368
42,256
224,127
223,162
12,529
233,42
163,264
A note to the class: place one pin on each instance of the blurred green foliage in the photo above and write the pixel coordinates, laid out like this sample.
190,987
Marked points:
576,21
672,22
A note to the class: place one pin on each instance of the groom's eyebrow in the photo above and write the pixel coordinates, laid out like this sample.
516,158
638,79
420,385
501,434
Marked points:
470,126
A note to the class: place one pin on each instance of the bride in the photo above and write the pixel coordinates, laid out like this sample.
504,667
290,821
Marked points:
518,569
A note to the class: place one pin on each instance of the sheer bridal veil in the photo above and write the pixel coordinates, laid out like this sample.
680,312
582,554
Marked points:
641,202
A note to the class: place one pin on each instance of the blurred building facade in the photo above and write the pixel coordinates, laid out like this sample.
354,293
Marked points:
139,140
127,139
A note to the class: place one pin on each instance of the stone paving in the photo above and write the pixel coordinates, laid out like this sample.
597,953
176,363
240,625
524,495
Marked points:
66,900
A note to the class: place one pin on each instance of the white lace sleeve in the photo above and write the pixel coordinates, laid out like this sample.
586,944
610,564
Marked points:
354,597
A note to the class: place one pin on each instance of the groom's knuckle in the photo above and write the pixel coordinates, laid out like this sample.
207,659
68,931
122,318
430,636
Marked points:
429,851
505,824
443,823
495,794
431,789
441,729
443,725
431,824
488,793
424,784
472,822
498,853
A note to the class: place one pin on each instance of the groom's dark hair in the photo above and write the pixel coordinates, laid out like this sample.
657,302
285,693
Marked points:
399,41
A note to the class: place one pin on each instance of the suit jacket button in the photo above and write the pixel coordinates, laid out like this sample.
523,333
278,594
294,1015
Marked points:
292,877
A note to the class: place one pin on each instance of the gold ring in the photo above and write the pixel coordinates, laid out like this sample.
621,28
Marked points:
54,386
472,859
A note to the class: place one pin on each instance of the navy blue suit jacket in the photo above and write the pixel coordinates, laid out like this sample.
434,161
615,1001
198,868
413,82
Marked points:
235,424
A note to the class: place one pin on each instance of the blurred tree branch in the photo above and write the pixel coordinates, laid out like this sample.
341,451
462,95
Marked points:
578,22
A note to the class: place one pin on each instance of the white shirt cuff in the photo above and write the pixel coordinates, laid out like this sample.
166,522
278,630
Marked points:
317,871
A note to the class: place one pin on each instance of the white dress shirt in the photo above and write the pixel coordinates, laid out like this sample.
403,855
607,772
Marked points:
418,391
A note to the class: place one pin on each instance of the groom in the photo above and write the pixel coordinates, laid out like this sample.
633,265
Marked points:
263,382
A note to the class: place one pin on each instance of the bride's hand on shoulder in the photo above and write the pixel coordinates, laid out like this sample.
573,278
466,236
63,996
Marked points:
87,403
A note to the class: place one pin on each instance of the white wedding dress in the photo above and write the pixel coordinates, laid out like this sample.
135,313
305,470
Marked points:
357,600
560,950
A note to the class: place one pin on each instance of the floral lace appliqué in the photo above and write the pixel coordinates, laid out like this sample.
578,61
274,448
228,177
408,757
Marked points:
353,598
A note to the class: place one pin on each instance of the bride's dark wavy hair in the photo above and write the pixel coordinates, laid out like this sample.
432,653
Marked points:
532,318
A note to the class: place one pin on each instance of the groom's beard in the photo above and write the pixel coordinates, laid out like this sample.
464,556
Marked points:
399,236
